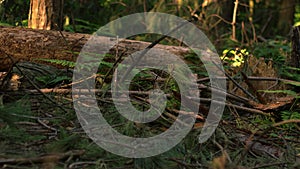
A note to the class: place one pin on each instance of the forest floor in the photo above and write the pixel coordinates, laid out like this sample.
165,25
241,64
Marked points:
39,127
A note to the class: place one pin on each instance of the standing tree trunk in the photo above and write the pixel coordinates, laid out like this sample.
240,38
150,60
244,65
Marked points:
46,14
286,16
295,57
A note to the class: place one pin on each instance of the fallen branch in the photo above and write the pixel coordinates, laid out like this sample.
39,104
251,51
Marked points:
42,159
286,122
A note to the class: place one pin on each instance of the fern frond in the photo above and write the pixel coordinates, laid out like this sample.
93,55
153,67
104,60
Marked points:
65,63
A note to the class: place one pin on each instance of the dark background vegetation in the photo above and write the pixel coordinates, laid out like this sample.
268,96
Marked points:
88,15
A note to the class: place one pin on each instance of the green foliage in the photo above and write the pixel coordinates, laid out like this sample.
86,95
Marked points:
66,142
155,162
274,50
291,73
195,64
52,80
13,12
287,92
4,24
17,135
9,112
297,16
277,51
64,63
81,26
235,57
288,115
90,61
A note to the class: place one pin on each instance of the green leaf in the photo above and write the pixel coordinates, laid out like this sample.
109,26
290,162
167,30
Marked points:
58,79
294,83
288,92
59,62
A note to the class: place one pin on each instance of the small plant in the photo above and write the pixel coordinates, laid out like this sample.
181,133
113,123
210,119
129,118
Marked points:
275,50
64,63
9,111
235,57
53,80
80,25
288,115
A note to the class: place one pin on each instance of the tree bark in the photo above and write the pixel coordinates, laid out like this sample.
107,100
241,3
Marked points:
286,16
295,57
31,44
46,14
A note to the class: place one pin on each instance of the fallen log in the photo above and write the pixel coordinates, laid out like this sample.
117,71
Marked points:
30,44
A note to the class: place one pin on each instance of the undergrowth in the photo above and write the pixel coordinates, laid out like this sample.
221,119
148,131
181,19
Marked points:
242,138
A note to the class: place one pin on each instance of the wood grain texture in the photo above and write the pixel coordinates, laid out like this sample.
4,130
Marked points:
30,44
